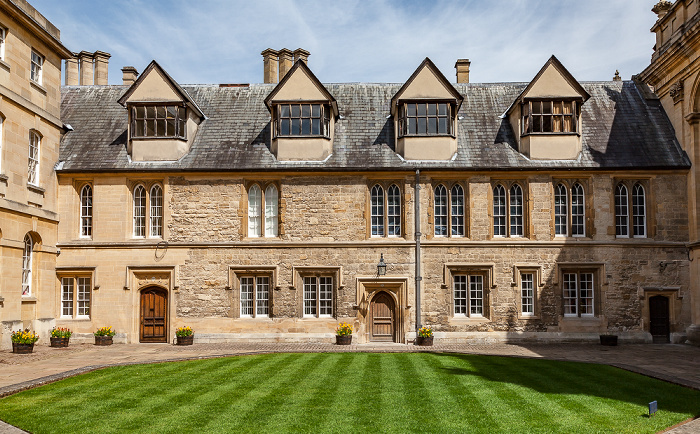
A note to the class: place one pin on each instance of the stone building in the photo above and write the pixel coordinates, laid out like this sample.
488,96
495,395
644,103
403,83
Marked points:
674,76
545,210
30,127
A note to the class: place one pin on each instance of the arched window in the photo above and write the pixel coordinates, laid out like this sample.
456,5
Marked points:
578,211
377,211
621,211
254,211
34,148
2,118
156,211
516,211
139,211
499,211
393,211
561,208
86,211
639,214
27,266
457,210
271,211
440,211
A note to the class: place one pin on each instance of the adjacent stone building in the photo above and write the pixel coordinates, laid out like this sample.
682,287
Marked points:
544,210
30,127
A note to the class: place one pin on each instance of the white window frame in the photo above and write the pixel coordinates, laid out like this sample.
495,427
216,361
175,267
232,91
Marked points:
76,296
318,296
155,211
569,210
386,211
469,292
147,211
36,67
448,211
263,211
639,213
579,293
139,211
86,211
2,126
527,293
259,289
509,217
3,39
34,158
27,264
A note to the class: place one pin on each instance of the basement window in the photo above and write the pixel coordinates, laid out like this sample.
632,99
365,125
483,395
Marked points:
159,121
548,116
300,120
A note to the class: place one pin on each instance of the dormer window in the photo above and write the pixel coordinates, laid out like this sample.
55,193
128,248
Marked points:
295,120
159,121
549,116
425,119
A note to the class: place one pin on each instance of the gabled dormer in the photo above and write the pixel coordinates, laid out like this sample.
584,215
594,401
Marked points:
425,115
163,119
303,116
546,116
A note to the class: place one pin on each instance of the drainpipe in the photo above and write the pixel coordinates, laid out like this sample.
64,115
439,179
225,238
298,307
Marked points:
416,198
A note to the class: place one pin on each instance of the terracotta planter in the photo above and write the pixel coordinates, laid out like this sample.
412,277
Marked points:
608,340
424,342
22,348
185,340
59,342
103,340
343,340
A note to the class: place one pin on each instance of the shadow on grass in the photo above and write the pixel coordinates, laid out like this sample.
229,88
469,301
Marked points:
575,378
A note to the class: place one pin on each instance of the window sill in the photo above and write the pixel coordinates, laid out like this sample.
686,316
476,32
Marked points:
408,136
4,178
528,317
80,319
257,318
38,86
36,189
28,299
4,65
301,137
468,320
550,134
183,139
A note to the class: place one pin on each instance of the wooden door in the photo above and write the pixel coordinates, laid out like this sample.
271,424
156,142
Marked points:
382,318
154,310
659,319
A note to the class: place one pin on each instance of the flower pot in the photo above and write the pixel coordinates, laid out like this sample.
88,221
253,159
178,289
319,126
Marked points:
59,342
424,342
343,340
103,340
22,348
184,340
608,340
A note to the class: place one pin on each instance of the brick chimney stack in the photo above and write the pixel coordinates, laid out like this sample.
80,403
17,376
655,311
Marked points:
462,67
286,61
129,75
101,67
87,73
270,61
72,71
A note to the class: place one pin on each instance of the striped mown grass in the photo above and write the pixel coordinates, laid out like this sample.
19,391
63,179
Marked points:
353,392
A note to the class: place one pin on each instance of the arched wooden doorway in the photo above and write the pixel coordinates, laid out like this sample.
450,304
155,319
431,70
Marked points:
154,315
659,319
382,318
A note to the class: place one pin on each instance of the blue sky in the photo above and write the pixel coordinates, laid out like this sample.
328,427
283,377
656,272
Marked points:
216,41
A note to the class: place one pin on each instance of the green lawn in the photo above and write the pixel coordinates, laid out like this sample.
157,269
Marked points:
353,392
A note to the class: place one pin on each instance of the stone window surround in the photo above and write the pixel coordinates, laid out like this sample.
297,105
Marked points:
234,284
629,182
574,115
325,113
600,285
74,273
484,269
298,274
588,209
448,184
507,184
33,161
88,224
537,285
36,67
385,184
403,116
263,185
148,186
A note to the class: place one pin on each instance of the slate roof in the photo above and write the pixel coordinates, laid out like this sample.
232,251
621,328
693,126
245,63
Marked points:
621,130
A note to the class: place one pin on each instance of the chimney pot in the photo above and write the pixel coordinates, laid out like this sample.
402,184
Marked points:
102,68
72,71
87,72
270,60
462,67
286,61
129,75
